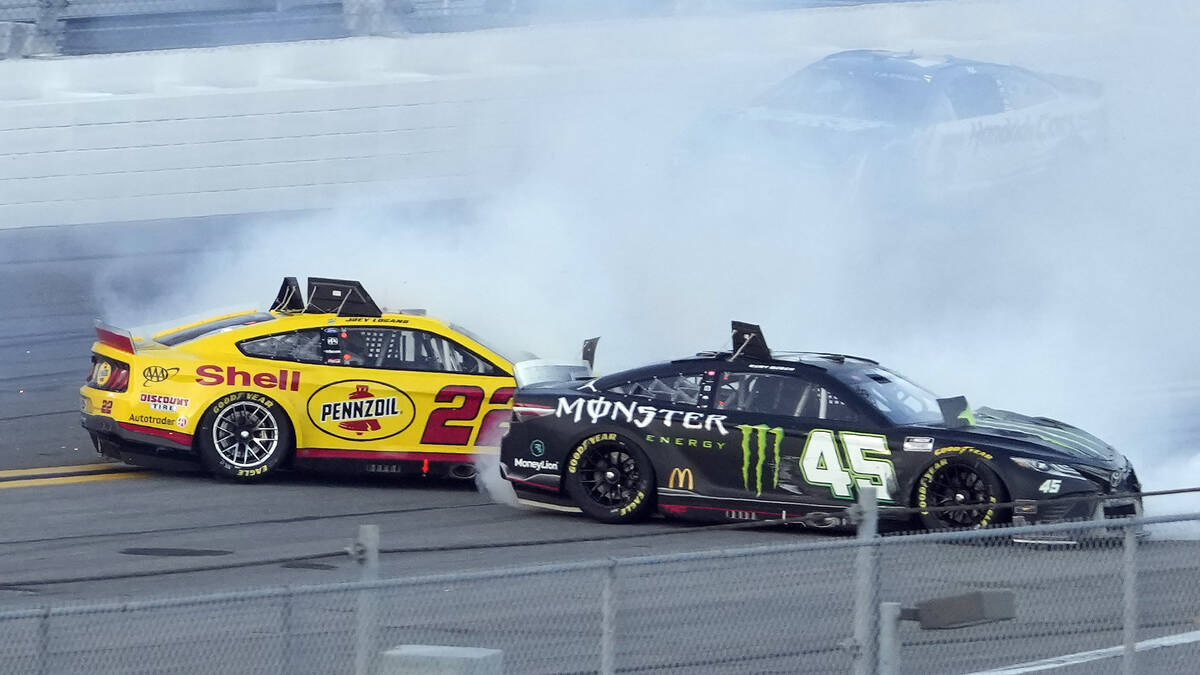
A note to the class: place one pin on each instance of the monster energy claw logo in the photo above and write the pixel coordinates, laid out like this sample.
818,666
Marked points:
754,449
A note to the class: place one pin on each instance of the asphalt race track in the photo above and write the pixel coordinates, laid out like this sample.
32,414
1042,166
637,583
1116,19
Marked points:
79,531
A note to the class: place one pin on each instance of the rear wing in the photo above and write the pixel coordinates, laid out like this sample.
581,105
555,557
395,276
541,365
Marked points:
545,371
117,338
342,297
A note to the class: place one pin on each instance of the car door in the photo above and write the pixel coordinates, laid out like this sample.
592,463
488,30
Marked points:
406,390
798,440
972,147
674,424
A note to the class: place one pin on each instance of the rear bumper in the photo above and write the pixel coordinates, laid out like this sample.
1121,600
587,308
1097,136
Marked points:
137,444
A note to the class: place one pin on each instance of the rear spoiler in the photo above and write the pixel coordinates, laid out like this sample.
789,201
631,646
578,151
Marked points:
545,371
117,338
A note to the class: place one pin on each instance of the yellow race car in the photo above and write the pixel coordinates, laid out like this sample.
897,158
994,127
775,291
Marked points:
331,381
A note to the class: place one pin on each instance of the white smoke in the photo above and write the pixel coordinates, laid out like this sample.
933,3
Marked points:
1070,300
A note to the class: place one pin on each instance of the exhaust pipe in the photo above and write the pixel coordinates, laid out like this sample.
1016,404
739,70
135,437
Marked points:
463,471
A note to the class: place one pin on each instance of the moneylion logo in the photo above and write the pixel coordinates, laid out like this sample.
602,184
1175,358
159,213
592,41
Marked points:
681,478
757,440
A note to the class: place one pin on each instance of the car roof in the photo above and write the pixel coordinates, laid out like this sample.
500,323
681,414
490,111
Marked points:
782,361
916,66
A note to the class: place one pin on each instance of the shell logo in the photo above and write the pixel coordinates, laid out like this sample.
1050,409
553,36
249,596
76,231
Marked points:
361,410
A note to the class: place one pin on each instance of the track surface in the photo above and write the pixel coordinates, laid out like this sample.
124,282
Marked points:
68,542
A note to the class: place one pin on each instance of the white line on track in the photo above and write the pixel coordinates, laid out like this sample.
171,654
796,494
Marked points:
1094,655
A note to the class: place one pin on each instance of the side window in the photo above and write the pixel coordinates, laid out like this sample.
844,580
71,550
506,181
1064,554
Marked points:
301,346
407,349
1022,91
771,394
974,94
681,389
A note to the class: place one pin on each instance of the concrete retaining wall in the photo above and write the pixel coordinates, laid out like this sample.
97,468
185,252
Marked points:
317,124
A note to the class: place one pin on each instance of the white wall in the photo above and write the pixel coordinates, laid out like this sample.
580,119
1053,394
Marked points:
309,125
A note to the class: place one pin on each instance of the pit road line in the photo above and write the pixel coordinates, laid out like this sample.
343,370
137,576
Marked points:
1093,655
63,480
57,470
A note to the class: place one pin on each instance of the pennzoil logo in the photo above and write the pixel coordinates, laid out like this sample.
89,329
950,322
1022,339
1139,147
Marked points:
361,410
681,478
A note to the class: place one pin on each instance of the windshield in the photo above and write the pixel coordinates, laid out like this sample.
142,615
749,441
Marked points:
900,400
877,97
200,330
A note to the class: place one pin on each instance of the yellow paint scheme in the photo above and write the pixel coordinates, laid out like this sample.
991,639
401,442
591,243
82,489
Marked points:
200,371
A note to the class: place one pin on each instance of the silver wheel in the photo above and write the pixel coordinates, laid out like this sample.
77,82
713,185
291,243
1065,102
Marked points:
245,434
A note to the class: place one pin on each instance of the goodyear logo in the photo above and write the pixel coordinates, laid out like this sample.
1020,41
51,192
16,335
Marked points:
361,410
681,478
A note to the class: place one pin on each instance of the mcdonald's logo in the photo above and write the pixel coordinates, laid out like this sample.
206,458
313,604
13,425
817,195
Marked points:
681,478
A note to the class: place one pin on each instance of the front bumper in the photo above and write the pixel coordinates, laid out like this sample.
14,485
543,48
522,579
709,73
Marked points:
1100,507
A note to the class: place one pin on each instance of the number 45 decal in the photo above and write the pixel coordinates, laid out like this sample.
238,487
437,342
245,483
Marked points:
866,465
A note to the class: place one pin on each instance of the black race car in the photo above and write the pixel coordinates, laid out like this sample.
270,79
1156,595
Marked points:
904,123
753,434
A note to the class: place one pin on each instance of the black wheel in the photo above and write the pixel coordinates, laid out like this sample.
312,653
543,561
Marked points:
611,479
243,436
961,482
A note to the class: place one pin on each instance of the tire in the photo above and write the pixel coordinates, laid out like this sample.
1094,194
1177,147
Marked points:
961,481
243,437
611,479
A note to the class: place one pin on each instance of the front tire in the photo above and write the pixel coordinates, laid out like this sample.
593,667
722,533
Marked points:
959,481
611,479
243,437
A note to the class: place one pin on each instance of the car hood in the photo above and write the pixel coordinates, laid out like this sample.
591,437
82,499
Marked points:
1051,435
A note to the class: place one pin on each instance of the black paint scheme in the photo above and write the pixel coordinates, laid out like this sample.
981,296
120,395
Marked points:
709,425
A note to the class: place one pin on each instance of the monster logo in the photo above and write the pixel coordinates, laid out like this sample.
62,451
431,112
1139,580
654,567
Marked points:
755,443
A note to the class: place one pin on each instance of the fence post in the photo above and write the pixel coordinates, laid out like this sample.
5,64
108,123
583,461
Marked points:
44,641
1130,618
889,638
367,550
285,629
608,613
865,579
48,27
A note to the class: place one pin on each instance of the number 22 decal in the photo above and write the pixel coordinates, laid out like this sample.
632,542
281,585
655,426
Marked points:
451,425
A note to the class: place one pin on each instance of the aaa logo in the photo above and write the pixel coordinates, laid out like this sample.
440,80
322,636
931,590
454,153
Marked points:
757,441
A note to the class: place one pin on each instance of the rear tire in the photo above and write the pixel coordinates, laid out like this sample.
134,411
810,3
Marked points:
243,437
611,479
959,481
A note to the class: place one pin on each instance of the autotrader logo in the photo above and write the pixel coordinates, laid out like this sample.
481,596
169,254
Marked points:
756,441
681,478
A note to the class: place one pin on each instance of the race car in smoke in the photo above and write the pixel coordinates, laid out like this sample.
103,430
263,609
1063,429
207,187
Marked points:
898,123
332,381
753,434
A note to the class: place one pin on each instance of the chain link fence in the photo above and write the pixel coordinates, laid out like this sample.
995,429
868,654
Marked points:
1100,599
45,27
